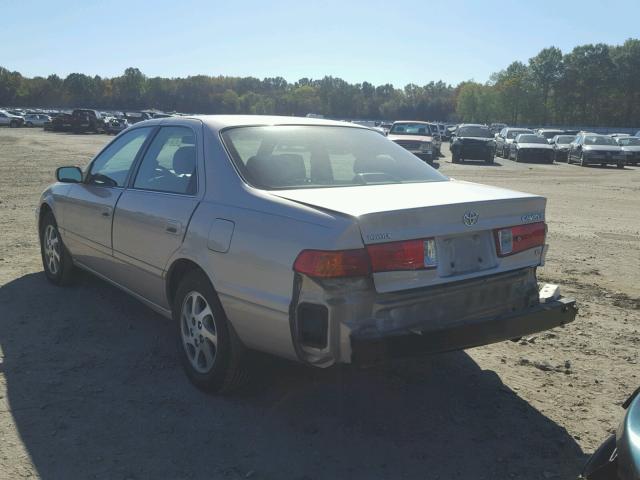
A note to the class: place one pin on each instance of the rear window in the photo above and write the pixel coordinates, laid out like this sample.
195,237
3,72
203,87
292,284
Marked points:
309,156
515,133
531,139
410,129
470,131
565,139
599,140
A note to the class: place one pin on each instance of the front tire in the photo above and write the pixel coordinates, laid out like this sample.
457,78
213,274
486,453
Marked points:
211,354
56,260
14,124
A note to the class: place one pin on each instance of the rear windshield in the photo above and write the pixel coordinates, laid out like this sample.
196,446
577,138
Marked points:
309,156
550,133
531,139
515,133
475,132
599,140
410,129
565,139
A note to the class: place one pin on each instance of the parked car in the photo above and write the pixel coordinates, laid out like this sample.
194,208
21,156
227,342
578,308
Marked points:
314,240
593,149
473,142
414,136
549,133
135,117
560,144
618,458
529,147
36,119
62,122
115,125
619,135
86,120
497,127
437,139
10,120
505,138
631,148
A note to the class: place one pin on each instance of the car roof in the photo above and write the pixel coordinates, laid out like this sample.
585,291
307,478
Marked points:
412,121
219,122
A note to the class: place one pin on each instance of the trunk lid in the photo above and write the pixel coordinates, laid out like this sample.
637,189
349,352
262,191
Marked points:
461,216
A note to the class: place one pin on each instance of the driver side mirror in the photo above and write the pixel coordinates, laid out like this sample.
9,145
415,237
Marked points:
69,175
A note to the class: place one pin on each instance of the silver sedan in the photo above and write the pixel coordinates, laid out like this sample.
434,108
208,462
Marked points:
318,241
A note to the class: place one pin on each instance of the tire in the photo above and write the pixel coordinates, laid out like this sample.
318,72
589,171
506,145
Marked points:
517,157
582,164
29,124
620,165
455,158
56,260
211,354
14,124
489,160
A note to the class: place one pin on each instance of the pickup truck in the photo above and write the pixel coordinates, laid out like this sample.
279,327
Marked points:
81,120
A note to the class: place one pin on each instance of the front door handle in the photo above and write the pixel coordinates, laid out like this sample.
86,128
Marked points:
106,212
173,226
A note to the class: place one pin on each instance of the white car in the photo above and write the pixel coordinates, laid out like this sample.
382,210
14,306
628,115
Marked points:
10,120
36,119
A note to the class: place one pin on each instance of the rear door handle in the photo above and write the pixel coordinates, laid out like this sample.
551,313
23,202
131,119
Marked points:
173,226
106,212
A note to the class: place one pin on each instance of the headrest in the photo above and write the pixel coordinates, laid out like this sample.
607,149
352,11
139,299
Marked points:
277,170
377,164
184,160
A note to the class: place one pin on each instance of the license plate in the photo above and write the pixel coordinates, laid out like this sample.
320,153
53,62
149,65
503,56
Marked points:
466,253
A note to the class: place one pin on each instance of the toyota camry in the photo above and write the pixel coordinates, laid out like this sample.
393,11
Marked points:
318,241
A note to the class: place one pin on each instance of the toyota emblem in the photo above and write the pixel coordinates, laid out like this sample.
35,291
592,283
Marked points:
470,218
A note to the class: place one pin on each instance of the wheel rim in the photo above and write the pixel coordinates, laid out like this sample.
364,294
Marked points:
198,331
52,249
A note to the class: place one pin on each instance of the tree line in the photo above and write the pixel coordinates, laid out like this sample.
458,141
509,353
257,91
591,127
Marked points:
596,85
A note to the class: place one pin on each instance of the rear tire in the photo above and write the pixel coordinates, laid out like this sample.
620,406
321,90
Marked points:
56,259
489,160
14,124
211,354
620,165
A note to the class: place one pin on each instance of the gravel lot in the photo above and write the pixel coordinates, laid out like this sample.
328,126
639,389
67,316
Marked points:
90,386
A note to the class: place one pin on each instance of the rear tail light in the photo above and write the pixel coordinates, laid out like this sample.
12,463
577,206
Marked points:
332,264
407,255
519,238
382,257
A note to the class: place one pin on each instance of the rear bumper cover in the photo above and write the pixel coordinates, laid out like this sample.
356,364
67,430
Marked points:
467,335
362,323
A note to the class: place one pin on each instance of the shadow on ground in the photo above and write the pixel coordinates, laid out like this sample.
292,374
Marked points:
95,391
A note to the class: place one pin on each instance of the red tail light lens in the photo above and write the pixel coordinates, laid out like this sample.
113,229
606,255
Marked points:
407,255
332,264
517,239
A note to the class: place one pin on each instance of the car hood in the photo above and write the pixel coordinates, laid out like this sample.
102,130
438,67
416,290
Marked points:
412,138
601,148
543,146
477,139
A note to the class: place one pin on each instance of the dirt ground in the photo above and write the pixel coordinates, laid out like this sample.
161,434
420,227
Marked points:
90,385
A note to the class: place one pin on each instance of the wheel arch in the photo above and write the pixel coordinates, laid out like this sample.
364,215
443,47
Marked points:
45,209
178,269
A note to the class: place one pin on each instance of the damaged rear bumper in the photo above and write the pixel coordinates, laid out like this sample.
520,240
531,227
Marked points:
347,321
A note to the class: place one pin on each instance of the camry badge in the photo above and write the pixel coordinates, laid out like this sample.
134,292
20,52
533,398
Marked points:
470,218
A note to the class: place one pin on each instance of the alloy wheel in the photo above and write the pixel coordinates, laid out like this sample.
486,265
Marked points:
52,251
199,333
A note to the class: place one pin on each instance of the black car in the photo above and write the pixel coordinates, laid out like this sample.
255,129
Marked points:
472,142
561,144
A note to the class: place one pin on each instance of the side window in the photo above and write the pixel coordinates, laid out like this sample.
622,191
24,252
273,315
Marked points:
169,165
112,166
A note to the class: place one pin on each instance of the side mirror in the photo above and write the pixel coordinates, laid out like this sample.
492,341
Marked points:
69,175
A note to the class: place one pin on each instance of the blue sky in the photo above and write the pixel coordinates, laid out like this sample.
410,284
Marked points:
375,41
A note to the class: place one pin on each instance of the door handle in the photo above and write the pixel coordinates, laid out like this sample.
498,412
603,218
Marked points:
106,212
173,226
